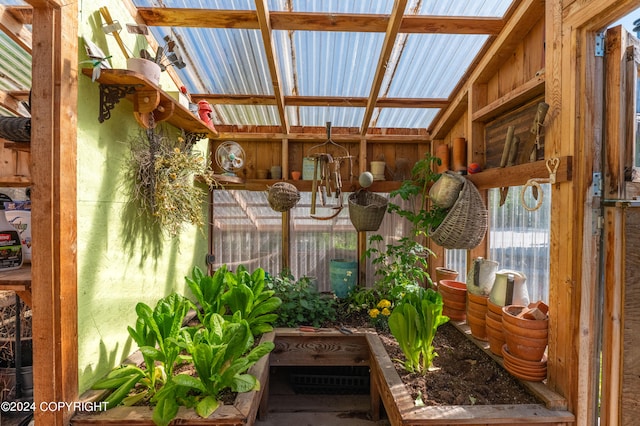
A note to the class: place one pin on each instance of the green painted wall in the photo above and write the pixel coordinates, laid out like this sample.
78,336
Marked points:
110,280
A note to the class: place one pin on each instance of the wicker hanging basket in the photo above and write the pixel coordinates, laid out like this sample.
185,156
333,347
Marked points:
283,196
465,224
16,129
366,210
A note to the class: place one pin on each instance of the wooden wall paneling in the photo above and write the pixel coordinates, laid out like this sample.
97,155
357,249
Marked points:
533,53
54,267
496,130
284,158
620,356
406,156
630,372
296,154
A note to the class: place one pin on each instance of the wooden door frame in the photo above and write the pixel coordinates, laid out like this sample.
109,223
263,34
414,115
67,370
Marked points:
54,219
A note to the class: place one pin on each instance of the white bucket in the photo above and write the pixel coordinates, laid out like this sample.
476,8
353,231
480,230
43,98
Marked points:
147,68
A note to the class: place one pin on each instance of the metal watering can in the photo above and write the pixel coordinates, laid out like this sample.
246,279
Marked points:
481,276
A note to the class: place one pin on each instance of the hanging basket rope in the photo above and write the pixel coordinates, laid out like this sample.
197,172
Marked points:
465,224
366,210
16,129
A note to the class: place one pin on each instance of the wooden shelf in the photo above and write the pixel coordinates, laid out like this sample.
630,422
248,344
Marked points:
500,177
15,181
305,185
146,98
530,90
18,280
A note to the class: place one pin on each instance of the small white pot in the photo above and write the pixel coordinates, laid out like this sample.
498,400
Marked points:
147,68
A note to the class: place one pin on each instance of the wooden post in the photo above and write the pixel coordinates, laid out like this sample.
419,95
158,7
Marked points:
54,267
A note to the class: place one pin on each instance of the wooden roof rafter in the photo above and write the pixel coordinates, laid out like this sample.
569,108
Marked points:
274,70
10,101
385,53
14,28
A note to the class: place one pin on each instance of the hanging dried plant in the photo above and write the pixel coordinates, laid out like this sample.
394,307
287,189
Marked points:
162,170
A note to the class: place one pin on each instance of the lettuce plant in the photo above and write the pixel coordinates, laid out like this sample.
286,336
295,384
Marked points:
414,322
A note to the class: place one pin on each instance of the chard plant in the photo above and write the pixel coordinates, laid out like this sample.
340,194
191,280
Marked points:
208,291
222,352
248,299
414,322
156,332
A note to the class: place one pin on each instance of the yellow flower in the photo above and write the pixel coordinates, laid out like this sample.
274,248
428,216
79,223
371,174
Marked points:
384,303
373,313
176,150
386,312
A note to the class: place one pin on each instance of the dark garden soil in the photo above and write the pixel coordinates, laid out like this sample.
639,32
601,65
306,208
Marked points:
462,373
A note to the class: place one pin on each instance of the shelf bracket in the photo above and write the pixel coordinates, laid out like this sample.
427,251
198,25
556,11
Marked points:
110,95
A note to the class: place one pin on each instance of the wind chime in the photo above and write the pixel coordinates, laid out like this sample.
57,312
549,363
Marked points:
327,179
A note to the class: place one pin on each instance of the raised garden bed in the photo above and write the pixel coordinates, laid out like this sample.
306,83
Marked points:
329,347
243,411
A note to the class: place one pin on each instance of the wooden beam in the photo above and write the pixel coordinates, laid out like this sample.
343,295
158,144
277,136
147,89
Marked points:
11,103
340,101
315,21
53,217
16,30
270,52
520,174
387,47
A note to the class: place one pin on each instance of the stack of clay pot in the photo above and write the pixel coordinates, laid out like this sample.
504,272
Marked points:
526,335
443,273
476,315
480,281
454,299
509,288
495,335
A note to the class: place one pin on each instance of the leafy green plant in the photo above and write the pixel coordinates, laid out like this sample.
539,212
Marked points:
156,332
398,265
414,322
421,215
208,291
222,352
248,299
302,304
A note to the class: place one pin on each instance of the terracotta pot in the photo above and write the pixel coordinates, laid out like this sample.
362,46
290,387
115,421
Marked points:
495,343
525,348
522,362
453,291
495,317
443,273
532,375
454,296
454,314
476,310
458,306
442,152
525,332
510,312
492,307
477,326
492,323
477,299
459,155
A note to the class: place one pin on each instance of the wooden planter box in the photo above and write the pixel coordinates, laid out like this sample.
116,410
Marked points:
242,412
331,348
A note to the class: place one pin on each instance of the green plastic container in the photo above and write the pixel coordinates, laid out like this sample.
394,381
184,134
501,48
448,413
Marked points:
343,276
